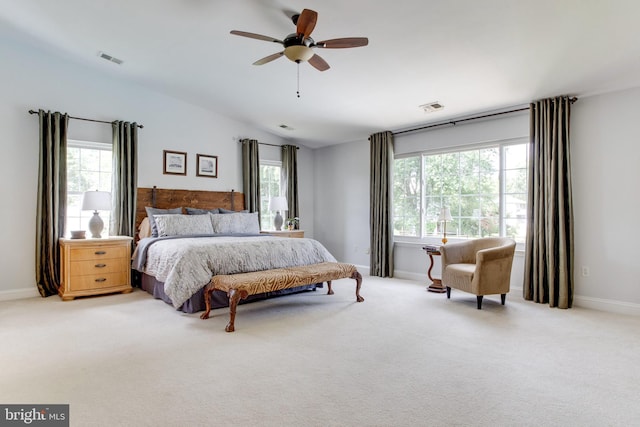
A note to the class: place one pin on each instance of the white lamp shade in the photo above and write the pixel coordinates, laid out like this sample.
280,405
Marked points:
278,204
445,215
96,201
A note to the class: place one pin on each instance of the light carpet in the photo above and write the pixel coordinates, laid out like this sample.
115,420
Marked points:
403,357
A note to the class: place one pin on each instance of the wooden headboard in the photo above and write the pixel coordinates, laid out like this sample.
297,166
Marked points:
163,198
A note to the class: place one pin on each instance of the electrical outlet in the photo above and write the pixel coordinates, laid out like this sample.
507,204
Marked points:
585,271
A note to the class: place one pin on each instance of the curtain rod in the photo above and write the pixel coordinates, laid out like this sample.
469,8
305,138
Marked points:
86,120
453,122
272,145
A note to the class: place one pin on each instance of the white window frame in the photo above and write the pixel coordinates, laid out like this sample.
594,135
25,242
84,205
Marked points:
431,239
85,216
266,216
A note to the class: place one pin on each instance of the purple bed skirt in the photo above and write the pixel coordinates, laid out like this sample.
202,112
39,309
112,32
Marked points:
219,299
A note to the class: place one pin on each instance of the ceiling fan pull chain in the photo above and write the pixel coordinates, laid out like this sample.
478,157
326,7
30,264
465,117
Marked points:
298,91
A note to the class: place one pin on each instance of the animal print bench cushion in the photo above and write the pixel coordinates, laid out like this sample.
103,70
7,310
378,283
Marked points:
283,278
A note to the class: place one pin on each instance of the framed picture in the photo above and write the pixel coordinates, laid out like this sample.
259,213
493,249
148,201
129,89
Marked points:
206,165
175,162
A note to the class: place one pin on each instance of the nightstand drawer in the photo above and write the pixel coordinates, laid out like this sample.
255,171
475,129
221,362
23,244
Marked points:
97,281
98,252
97,266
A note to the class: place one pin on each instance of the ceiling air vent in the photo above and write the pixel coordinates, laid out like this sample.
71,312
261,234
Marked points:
432,107
109,58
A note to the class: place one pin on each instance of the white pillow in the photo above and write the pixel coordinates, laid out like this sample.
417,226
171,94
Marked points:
183,225
145,228
242,223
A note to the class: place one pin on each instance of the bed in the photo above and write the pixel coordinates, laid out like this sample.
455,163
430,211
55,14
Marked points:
198,234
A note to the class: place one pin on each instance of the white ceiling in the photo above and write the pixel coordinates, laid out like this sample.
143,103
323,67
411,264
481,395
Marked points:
472,56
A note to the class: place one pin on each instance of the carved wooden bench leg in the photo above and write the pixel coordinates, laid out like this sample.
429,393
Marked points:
358,278
207,300
234,296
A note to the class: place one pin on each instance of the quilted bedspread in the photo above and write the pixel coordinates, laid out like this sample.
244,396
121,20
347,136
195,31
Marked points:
187,264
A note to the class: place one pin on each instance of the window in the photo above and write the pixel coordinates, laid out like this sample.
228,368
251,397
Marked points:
485,188
89,167
269,187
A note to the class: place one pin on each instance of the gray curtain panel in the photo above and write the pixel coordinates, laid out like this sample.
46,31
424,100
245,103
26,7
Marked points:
290,178
251,175
549,244
52,200
124,181
381,197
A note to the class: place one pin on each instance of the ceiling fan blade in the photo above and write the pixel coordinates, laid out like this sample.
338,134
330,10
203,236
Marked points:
306,22
318,63
343,43
256,36
268,58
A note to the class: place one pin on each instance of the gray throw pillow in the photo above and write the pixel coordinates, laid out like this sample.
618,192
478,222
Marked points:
155,211
196,211
228,211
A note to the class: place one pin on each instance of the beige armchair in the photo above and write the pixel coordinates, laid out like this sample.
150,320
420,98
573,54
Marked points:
478,266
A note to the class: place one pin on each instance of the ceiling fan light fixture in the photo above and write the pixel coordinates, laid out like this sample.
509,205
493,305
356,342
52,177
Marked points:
298,53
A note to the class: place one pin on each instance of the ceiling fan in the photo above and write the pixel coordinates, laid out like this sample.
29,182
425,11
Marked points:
298,46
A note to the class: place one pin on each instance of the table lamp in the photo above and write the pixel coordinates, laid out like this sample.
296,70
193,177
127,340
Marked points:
278,204
445,215
96,201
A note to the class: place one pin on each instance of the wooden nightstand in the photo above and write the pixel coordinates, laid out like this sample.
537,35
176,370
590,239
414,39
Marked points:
284,233
94,266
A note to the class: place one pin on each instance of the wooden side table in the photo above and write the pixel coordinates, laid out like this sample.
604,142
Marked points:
95,266
284,233
436,284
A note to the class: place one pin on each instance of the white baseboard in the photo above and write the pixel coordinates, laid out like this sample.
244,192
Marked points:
410,275
18,294
611,306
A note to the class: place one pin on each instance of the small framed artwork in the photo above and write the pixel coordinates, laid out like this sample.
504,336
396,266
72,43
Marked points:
175,162
206,165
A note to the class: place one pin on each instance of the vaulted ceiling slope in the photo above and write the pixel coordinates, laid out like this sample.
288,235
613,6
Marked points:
471,56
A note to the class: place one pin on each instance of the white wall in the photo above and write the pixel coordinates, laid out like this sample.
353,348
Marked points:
605,159
342,201
32,79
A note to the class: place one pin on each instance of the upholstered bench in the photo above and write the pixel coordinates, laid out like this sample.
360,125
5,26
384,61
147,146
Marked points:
241,285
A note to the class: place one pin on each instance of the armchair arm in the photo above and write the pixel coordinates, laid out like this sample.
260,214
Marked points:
493,270
490,254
